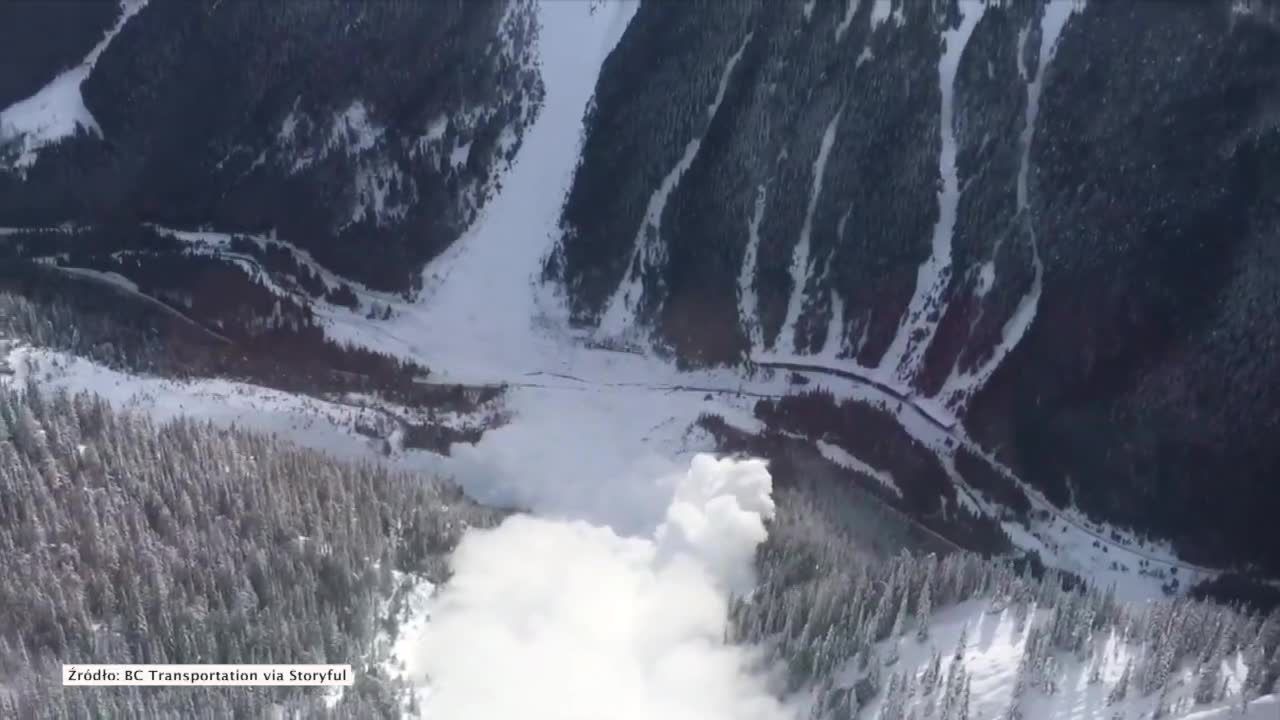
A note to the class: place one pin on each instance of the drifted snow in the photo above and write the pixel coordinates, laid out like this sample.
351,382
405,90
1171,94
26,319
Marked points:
902,358
57,111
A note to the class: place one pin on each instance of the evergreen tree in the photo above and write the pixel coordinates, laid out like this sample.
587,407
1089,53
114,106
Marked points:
1121,688
924,606
126,542
1208,681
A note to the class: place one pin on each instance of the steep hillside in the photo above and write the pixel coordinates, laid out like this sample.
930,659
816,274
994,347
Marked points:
1009,265
1053,222
368,134
130,542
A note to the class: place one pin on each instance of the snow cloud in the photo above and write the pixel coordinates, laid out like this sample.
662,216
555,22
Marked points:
548,619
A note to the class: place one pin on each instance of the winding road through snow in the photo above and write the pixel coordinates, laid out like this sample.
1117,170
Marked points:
594,434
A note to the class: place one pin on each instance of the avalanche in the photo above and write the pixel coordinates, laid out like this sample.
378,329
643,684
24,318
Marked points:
598,439
557,620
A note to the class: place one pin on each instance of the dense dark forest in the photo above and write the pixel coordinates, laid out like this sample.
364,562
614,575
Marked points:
237,324
891,520
1114,189
1112,208
839,617
334,123
200,331
38,40
928,492
121,541
127,542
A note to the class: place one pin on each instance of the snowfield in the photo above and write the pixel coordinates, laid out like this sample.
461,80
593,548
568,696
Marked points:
57,111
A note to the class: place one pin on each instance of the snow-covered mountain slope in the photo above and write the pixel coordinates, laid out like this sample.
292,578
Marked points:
588,432
953,636
231,115
354,428
977,205
915,197
627,567
57,111
505,575
1009,671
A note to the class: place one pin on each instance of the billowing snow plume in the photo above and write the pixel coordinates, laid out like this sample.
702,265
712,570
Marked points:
550,620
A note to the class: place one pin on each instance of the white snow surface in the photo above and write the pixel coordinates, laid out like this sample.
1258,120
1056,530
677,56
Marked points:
313,423
373,181
57,110
1108,556
353,131
594,435
599,448
843,458
918,325
880,11
435,131
995,644
748,300
834,342
961,386
850,9
801,265
619,317
593,432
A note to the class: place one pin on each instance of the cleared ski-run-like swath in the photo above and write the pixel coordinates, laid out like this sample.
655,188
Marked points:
902,360
960,386
747,299
58,109
800,262
620,312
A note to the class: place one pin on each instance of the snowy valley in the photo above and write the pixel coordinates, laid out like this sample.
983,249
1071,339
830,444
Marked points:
588,316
